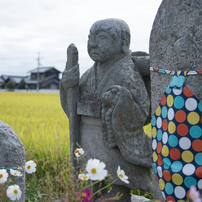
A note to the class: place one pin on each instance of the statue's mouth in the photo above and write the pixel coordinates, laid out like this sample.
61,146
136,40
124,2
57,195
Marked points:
94,54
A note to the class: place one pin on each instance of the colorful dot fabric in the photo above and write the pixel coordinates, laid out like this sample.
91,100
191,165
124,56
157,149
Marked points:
177,138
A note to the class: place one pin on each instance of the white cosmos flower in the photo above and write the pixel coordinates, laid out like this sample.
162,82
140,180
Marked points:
122,176
15,172
78,152
3,176
13,192
96,170
83,176
30,166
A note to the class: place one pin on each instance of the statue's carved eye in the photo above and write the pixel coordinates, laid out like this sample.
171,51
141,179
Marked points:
113,90
102,37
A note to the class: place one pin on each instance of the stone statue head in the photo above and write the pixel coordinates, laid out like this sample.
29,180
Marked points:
182,53
108,39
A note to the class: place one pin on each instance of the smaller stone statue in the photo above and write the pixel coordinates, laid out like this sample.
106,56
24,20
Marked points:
12,154
108,106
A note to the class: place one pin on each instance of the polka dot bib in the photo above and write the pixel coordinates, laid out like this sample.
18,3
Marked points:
177,138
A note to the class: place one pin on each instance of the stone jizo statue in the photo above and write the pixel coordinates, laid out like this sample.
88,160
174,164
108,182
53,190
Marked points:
108,106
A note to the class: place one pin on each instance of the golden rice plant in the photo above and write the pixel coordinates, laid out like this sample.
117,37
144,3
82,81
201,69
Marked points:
40,123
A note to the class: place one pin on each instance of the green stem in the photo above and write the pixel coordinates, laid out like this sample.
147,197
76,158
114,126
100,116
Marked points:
106,186
84,159
92,184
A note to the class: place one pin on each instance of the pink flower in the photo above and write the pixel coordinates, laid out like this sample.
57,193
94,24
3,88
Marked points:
86,196
194,194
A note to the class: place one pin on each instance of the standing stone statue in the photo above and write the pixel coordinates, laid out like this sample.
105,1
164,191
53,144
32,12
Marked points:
176,45
109,107
12,155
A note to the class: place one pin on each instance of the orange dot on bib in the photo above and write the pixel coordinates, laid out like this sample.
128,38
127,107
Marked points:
160,162
197,145
167,175
163,100
170,198
199,172
175,154
180,116
159,147
187,92
165,125
182,129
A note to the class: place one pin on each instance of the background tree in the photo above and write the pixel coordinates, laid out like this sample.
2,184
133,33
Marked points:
3,85
22,84
11,85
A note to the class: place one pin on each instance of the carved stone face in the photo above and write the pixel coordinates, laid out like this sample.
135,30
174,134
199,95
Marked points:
181,54
104,41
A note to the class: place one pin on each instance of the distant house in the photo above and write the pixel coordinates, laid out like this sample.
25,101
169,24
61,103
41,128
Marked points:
48,78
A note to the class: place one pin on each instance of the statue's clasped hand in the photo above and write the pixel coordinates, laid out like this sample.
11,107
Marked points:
70,78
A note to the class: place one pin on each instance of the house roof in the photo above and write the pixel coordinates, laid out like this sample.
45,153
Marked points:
15,79
42,70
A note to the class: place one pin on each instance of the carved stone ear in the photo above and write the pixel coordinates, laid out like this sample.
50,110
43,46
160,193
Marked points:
125,41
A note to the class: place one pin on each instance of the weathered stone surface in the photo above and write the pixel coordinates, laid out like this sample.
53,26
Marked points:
176,44
112,106
12,153
176,21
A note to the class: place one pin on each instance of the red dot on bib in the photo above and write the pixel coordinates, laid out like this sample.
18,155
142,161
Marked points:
167,175
199,172
165,125
160,162
159,147
157,178
197,145
170,198
187,92
182,129
163,100
180,116
175,154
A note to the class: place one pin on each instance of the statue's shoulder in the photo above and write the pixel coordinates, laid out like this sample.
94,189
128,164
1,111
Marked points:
86,74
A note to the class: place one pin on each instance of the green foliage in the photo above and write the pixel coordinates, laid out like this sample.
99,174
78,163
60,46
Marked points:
141,193
3,85
10,85
22,84
32,191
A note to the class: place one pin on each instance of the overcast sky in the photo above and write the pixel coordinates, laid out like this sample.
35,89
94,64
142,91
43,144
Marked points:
49,26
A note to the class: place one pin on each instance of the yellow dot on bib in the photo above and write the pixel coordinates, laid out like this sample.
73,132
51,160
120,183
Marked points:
158,111
165,151
171,127
180,201
177,179
187,156
193,118
170,100
155,157
154,132
178,73
161,184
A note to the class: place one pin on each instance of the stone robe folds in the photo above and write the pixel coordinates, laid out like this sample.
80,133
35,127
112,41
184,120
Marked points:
112,115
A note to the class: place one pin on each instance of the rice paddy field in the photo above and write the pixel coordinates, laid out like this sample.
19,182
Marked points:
43,128
39,121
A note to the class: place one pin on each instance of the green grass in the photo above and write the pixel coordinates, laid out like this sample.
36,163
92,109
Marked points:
43,128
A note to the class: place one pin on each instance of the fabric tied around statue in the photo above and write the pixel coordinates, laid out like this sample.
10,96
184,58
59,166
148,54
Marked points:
177,138
14,168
